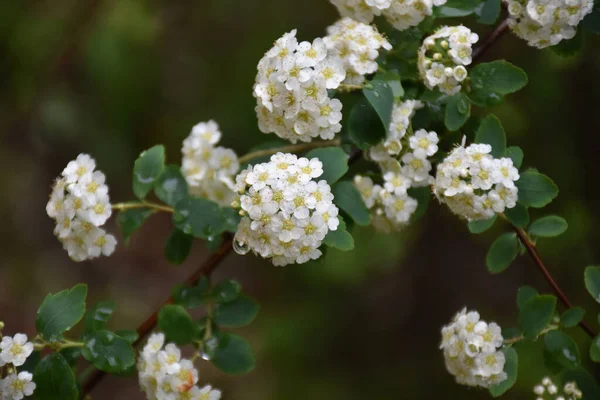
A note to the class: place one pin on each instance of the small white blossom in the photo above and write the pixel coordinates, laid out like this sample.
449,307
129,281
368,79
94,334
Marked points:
15,350
16,387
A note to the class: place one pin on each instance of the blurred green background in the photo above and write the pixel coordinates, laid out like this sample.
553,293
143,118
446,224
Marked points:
356,325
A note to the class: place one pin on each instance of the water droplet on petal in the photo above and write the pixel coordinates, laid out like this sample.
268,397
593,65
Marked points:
240,247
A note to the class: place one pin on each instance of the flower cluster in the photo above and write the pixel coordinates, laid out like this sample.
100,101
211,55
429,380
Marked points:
471,350
164,375
80,205
474,184
443,57
402,14
544,23
291,90
287,212
209,170
570,391
357,45
14,352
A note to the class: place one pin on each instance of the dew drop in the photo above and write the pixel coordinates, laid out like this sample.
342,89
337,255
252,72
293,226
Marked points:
240,248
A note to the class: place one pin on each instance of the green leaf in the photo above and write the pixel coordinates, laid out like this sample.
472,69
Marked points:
592,282
456,8
394,82
458,111
341,239
481,226
587,383
192,297
536,190
226,291
536,314
198,217
237,313
61,311
108,352
178,247
572,317
515,154
364,125
347,197
381,97
511,367
177,324
571,47
549,226
518,215
502,253
96,317
335,162
491,132
233,355
129,335
171,186
131,220
491,81
422,195
525,294
232,219
489,12
561,350
72,355
55,379
595,349
147,169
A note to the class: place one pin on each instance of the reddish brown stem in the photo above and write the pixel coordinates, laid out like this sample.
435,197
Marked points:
489,40
532,250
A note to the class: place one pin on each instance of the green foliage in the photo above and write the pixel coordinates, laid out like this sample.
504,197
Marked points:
108,352
177,324
568,48
515,154
511,367
237,313
456,8
518,215
489,12
232,219
536,190
364,125
549,226
147,169
536,314
131,220
482,225
192,297
55,379
491,81
591,22
381,97
226,291
524,294
341,239
130,336
201,218
171,186
394,81
347,198
595,349
423,196
502,253
61,311
572,317
592,282
96,317
587,383
233,354
178,247
560,351
458,111
335,162
491,132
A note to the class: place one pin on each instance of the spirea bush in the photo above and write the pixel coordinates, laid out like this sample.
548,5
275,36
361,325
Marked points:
390,86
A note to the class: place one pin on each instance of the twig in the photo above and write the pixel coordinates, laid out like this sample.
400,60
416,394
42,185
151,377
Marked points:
143,204
489,40
289,149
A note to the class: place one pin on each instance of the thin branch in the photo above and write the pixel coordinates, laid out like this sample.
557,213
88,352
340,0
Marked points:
289,149
143,204
532,250
489,40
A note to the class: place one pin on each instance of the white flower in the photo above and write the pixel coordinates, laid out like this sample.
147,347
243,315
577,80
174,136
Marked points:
15,350
208,393
16,387
78,168
424,144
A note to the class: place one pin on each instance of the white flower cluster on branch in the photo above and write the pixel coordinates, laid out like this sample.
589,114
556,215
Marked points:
357,45
291,90
209,170
287,212
547,390
443,57
80,205
474,184
402,14
164,375
544,23
14,351
471,350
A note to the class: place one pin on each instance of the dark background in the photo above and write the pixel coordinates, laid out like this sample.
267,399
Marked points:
357,325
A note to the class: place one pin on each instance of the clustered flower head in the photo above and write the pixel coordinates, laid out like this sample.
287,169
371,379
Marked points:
14,351
471,350
357,46
291,90
443,57
287,212
544,23
165,375
402,14
209,170
547,390
474,184
80,205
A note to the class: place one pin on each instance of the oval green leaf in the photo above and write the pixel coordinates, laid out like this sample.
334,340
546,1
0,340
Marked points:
61,311
536,190
335,162
237,313
502,253
347,197
549,226
177,324
536,314
54,379
233,354
147,169
108,351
